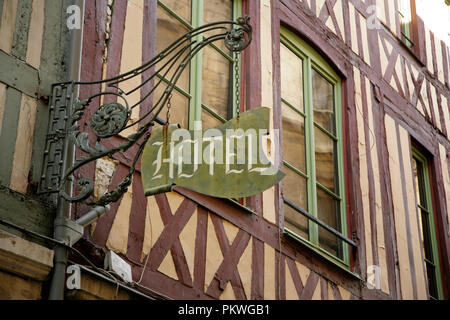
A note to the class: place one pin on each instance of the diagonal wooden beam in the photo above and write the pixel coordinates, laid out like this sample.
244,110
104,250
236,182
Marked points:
295,276
390,70
227,270
417,93
330,6
335,291
310,286
169,238
236,281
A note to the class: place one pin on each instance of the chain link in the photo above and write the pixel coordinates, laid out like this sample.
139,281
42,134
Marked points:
169,105
237,82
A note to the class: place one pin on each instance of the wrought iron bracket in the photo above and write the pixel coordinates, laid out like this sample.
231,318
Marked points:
113,118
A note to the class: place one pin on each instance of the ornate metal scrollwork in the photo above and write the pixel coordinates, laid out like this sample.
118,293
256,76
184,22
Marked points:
113,118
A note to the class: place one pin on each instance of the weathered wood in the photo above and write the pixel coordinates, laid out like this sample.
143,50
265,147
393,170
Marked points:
369,135
115,45
24,258
169,239
104,224
91,70
9,132
148,51
387,205
295,276
200,250
231,255
35,34
16,288
24,143
310,286
18,75
251,59
20,41
137,219
398,92
7,27
257,270
440,168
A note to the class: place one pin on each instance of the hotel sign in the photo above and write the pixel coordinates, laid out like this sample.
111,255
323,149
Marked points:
228,161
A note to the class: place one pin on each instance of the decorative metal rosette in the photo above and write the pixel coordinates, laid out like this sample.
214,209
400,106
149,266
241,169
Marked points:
109,119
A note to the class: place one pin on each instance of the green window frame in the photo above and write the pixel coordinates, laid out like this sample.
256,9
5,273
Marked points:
313,62
405,13
194,92
421,173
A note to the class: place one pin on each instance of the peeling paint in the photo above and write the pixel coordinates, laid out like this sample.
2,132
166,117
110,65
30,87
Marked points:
104,171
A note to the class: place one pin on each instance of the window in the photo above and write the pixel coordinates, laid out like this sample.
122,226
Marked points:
425,208
406,25
205,89
312,148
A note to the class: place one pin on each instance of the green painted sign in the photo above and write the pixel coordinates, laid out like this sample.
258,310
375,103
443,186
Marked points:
228,161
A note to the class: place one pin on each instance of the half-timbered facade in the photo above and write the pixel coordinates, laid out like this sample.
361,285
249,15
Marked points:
360,94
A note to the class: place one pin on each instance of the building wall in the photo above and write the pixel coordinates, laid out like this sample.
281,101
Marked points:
33,55
186,245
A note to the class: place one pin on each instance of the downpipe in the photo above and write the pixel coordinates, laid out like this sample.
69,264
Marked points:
57,281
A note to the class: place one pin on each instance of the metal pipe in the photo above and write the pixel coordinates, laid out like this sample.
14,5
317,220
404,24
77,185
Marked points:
57,281
92,215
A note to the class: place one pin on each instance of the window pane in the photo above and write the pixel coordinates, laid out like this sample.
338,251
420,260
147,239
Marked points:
430,252
291,78
180,106
420,183
328,209
323,102
431,275
169,29
330,243
294,188
426,236
416,180
325,150
215,81
180,7
218,10
209,121
293,138
296,222
404,9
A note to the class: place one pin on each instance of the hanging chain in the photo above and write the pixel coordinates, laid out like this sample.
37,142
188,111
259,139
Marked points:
169,105
237,55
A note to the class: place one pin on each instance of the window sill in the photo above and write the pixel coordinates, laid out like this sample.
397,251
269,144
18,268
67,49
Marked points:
322,253
413,52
